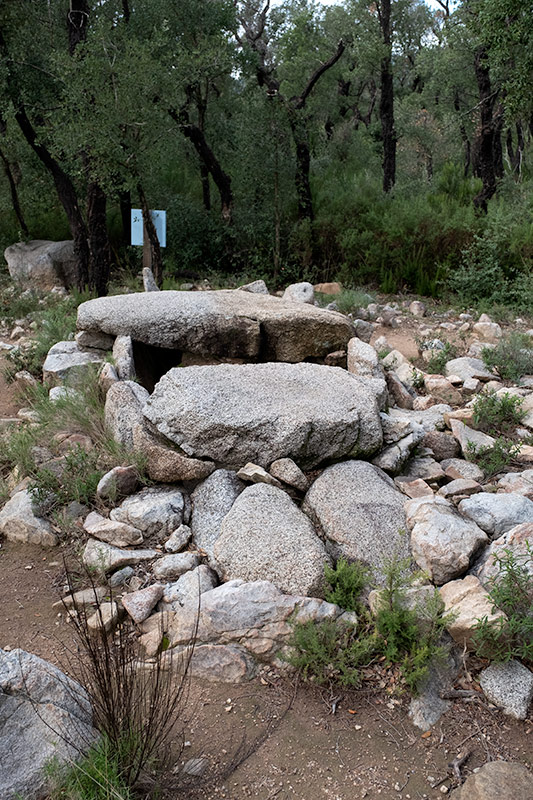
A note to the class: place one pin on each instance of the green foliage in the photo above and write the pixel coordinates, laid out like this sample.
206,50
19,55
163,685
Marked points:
74,481
347,582
511,591
493,458
497,415
330,652
439,357
417,379
512,357
97,776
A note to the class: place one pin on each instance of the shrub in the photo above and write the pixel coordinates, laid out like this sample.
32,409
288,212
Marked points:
76,481
494,458
439,358
511,591
497,415
347,581
512,357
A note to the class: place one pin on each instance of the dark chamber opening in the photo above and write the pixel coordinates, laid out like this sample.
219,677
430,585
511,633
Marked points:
151,363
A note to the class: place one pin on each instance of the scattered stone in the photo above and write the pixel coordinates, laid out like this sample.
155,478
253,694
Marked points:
104,618
444,445
300,293
156,509
462,486
400,394
413,489
424,467
211,501
394,359
123,410
509,686
95,341
85,597
363,360
109,530
255,287
178,539
149,282
417,309
118,482
469,438
265,535
106,558
442,542
65,361
171,567
363,329
488,331
497,780
285,470
336,359
517,542
164,463
107,377
442,390
140,604
428,706
189,586
253,473
25,380
360,513
62,393
471,386
468,368
120,577
497,513
235,413
61,730
467,602
393,457
123,358
20,523
332,288
455,468
42,264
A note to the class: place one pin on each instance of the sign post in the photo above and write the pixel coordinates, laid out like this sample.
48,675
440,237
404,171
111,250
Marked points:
139,236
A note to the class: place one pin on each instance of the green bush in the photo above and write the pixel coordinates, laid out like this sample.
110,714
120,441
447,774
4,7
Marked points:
495,458
511,358
439,358
347,581
497,415
75,481
510,591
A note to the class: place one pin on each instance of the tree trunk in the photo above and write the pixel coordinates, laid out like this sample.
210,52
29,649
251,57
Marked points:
77,23
515,156
206,191
386,105
125,216
497,149
486,135
99,247
14,194
149,227
464,137
303,167
67,196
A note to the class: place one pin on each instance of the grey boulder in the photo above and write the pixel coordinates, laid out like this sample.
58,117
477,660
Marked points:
236,413
67,361
497,513
211,501
510,686
156,509
43,715
123,410
360,512
20,523
42,264
266,536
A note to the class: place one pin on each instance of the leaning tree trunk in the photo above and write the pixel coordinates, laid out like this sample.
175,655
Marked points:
149,227
486,141
302,174
99,248
386,105
14,194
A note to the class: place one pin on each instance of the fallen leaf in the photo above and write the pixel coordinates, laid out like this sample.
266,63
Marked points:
426,735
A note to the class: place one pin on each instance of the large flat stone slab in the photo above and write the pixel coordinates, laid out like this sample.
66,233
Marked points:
236,413
224,324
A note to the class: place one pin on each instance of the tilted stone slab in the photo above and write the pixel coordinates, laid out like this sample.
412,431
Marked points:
236,413
224,324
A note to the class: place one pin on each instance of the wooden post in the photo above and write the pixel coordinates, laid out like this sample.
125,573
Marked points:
147,249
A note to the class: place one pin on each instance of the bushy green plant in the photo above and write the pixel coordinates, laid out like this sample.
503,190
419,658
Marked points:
439,358
347,582
497,414
511,358
493,458
75,480
511,591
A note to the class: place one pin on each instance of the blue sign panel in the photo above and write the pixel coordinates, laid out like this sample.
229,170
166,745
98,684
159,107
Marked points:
159,218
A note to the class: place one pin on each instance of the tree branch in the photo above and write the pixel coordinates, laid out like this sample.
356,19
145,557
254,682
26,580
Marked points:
299,102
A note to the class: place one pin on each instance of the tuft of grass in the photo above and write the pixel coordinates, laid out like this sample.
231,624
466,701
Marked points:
511,358
97,776
497,415
348,301
439,358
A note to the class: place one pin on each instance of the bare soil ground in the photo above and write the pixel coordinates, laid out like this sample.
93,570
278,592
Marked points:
271,738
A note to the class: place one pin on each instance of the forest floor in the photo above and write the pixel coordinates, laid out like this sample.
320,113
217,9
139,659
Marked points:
280,740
